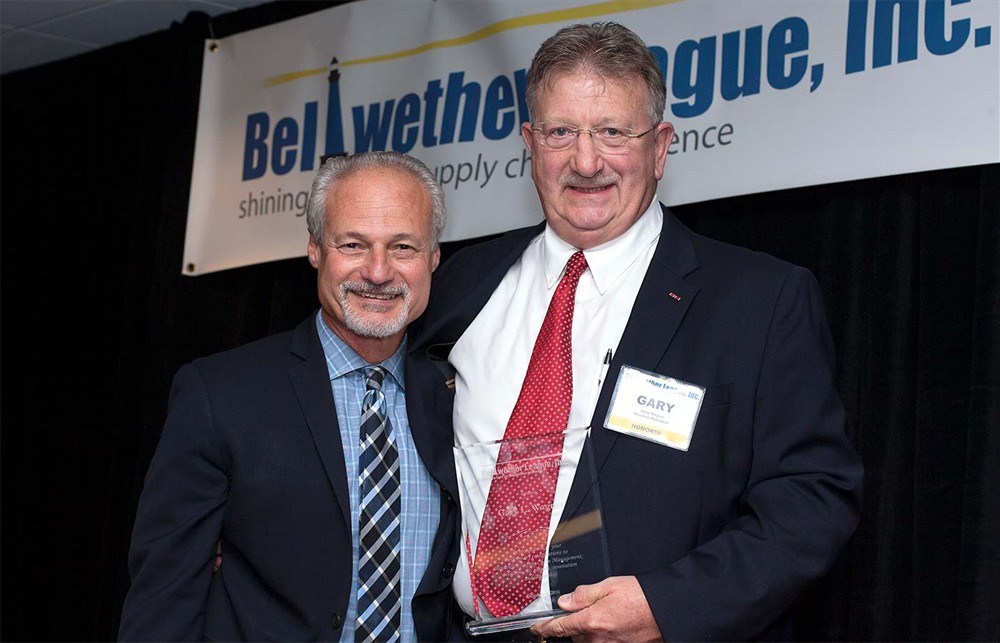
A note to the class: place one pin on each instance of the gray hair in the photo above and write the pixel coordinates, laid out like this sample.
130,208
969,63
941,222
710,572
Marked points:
607,48
339,168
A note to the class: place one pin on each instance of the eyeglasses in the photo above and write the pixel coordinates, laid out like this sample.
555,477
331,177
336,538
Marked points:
607,140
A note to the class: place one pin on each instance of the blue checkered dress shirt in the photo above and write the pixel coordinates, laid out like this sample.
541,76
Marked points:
421,497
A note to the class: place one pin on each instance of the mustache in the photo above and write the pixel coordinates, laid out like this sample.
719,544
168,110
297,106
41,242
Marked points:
368,288
604,179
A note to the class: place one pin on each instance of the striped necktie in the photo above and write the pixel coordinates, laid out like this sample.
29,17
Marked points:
379,603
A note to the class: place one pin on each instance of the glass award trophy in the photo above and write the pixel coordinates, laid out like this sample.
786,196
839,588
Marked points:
548,519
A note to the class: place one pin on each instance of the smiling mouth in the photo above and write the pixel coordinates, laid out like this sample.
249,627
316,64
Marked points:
372,295
374,298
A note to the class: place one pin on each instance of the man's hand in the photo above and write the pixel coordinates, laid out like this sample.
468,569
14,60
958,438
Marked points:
613,610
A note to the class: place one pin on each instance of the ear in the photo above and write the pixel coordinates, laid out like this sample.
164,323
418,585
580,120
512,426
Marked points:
435,258
314,252
664,137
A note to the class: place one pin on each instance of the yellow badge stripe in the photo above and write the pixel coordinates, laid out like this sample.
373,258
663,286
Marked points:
637,428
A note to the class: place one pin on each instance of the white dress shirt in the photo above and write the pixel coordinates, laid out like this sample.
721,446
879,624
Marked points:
491,357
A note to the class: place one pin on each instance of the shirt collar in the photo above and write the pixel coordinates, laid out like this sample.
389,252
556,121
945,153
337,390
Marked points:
609,260
341,358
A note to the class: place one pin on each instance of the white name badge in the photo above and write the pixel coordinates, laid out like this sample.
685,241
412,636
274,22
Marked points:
654,407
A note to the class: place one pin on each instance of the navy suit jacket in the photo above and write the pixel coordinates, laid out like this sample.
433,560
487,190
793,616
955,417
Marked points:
251,454
722,537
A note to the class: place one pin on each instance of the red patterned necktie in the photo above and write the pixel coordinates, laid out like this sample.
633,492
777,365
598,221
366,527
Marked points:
513,536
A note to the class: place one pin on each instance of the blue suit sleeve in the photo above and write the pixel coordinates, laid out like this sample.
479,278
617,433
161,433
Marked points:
802,498
178,521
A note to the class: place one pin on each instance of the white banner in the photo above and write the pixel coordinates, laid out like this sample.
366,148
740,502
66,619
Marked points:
763,94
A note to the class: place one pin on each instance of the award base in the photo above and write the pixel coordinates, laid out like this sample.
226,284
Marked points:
509,623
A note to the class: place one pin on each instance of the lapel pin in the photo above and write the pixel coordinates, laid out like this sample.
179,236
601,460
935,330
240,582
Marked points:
674,295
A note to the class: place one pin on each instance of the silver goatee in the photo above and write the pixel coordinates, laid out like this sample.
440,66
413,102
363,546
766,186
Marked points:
356,319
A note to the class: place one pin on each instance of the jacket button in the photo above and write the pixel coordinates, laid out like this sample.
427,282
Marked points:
336,622
448,570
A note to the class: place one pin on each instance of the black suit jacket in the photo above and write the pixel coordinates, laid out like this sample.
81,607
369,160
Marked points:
251,454
722,537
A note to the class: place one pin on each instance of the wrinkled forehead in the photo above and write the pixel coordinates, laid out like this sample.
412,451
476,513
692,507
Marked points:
379,191
588,87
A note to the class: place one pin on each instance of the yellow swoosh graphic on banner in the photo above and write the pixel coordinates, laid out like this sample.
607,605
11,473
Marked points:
558,15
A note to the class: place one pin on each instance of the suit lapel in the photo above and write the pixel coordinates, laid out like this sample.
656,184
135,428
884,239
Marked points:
660,305
311,381
428,409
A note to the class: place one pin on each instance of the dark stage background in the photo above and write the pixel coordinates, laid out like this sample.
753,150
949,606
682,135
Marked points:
96,317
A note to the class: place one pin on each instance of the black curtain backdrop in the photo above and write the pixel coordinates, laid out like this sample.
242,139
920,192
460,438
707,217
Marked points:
96,317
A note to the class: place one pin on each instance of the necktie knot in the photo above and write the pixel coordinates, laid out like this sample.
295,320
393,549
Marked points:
375,377
575,266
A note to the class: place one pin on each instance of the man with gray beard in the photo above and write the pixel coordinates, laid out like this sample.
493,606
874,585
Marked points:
299,457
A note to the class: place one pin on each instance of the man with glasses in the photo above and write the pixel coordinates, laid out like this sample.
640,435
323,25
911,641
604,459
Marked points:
740,486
